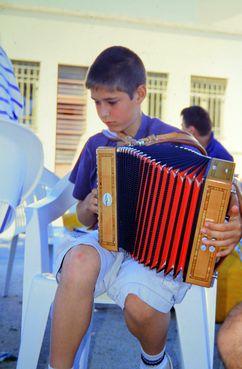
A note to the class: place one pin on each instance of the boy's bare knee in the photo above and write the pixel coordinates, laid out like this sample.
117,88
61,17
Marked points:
229,335
82,260
232,325
223,339
137,310
133,307
235,315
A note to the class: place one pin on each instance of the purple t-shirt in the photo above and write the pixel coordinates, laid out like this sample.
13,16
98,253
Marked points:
216,150
84,173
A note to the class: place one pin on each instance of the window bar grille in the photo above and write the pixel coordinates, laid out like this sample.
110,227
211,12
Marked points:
27,75
157,93
210,94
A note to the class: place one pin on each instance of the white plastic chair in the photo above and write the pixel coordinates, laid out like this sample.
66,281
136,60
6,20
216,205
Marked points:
21,167
47,181
195,315
39,215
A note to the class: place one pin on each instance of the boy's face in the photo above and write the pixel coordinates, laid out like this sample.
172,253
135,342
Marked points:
117,110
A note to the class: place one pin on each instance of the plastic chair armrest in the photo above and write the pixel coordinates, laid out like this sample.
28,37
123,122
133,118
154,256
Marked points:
58,200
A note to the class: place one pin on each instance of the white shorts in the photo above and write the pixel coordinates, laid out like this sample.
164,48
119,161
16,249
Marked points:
120,275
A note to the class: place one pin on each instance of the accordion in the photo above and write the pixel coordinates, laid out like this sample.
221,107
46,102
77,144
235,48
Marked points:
153,201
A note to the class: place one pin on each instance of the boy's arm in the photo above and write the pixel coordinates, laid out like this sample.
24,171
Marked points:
87,209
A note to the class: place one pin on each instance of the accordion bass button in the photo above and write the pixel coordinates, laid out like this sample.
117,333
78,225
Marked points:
212,248
203,247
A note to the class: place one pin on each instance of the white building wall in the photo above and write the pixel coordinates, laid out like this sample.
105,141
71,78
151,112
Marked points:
53,40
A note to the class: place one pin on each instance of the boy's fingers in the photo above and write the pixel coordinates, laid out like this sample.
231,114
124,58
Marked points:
222,235
218,243
233,225
94,202
94,208
234,211
225,252
219,227
94,192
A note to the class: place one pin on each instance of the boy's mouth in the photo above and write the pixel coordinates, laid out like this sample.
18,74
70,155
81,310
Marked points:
109,123
112,126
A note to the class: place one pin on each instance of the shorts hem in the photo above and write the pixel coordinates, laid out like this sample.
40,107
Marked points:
145,294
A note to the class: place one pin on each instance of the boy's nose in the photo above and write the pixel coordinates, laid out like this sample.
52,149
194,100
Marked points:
104,112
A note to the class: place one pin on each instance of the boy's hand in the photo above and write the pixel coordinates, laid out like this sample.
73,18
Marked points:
91,203
87,209
225,235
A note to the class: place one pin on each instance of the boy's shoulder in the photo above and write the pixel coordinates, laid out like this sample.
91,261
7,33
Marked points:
216,149
150,126
156,126
99,139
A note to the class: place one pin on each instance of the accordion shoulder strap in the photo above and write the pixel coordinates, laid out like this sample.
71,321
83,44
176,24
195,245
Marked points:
184,138
181,138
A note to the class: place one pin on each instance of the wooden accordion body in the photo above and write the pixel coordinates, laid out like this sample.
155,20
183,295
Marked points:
154,200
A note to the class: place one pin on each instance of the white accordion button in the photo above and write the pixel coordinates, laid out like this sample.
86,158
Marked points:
212,248
107,199
203,247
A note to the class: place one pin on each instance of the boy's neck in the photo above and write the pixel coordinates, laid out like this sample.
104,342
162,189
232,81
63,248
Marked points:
204,140
134,126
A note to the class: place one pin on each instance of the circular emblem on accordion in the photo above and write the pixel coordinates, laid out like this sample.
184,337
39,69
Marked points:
107,199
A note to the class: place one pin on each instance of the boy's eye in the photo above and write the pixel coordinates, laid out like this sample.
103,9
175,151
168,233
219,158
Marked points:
113,102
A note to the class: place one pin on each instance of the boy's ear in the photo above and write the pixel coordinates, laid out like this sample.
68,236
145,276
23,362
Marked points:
140,93
193,131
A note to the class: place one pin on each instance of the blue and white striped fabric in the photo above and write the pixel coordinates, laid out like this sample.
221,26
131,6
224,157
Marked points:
11,101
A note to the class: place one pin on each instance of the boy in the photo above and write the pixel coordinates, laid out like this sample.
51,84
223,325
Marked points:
196,120
117,83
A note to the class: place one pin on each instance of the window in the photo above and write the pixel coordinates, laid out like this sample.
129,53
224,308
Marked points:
209,93
71,114
155,101
27,75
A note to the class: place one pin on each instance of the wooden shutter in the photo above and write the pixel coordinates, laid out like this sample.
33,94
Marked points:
71,115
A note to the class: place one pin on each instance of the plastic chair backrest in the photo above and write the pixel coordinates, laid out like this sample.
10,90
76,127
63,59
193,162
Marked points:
47,181
21,165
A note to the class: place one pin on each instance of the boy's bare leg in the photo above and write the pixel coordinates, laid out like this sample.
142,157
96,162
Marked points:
230,339
73,304
148,325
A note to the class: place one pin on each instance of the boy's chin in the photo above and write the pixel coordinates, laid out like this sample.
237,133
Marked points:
114,130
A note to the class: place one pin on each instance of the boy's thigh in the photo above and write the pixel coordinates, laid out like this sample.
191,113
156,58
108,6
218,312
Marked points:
159,291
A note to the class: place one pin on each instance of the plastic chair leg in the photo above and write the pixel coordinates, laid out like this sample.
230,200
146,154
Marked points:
11,257
194,331
41,296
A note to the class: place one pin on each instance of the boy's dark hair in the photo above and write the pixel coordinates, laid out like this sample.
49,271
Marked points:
117,68
197,117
